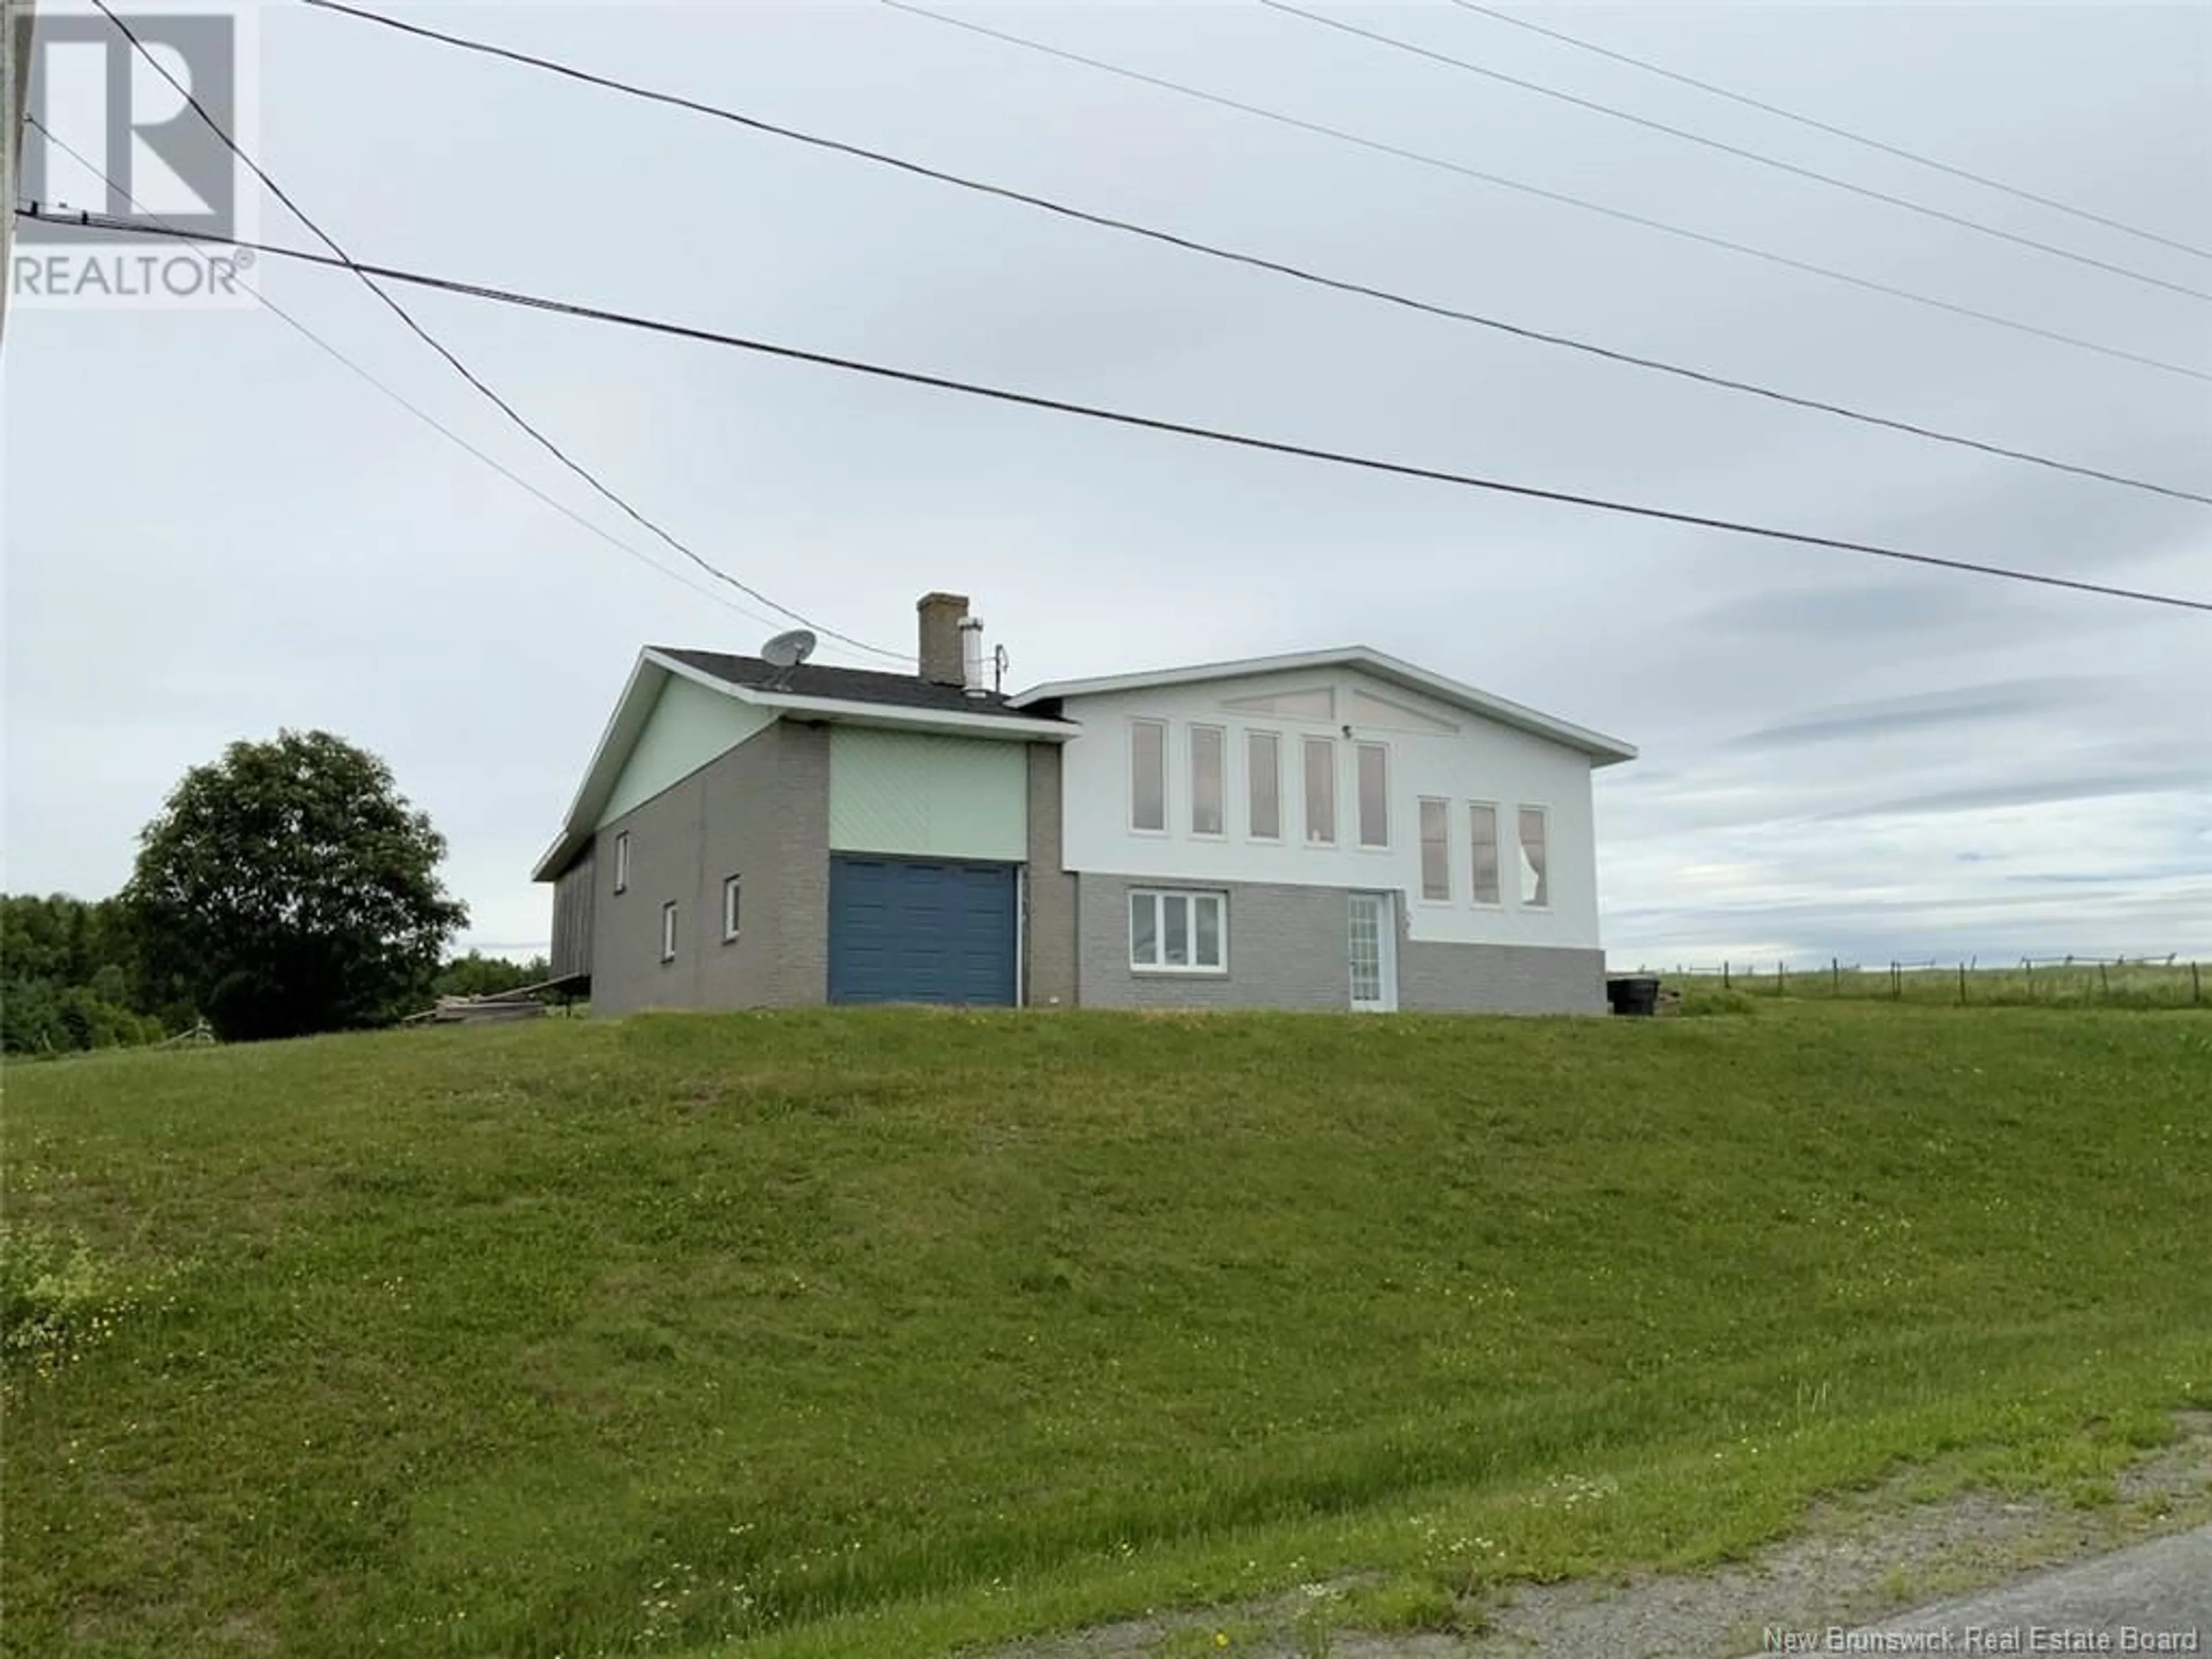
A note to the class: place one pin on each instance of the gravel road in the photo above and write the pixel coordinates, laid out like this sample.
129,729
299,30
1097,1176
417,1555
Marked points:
2155,1598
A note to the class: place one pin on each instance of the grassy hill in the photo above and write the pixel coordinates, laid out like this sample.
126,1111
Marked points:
877,1333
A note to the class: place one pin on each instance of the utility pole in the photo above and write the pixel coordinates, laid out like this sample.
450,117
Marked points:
14,99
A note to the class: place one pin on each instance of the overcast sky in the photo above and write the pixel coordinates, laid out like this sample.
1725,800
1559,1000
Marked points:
214,531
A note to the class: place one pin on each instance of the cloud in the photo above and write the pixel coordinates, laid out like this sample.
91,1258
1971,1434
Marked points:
1960,706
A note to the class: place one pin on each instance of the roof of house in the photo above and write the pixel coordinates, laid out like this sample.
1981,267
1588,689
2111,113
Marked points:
1602,750
839,684
809,691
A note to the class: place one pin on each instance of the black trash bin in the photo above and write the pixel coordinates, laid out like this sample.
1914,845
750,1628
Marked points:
1633,993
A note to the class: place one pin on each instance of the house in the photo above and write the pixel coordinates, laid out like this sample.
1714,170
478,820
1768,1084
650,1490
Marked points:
1331,829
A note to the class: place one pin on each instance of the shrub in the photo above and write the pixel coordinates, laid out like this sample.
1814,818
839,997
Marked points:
57,1296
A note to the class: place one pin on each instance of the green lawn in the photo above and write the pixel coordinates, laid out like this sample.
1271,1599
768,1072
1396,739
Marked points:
883,1332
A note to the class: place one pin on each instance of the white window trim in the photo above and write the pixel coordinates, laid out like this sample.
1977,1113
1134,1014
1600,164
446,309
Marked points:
668,931
1420,852
1335,794
1544,814
1359,842
1190,769
733,913
622,860
1250,834
1497,845
1180,970
1167,778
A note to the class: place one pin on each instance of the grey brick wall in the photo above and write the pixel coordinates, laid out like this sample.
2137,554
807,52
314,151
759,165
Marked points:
1500,979
1287,950
760,812
1049,931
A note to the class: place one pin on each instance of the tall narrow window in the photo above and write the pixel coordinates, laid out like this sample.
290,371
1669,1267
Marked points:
1148,775
730,909
1435,849
1207,746
1320,791
1374,795
1536,884
1263,772
1482,820
668,932
622,862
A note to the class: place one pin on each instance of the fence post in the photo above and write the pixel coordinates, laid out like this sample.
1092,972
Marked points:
1724,976
1781,977
2195,985
2104,979
1835,976
1962,984
2028,963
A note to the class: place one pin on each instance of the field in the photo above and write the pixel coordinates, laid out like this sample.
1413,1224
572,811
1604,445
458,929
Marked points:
803,1335
2056,983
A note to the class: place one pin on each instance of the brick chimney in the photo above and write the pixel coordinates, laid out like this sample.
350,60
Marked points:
941,615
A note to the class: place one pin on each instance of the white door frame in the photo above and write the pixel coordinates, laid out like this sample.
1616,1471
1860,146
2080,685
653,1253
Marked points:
1386,946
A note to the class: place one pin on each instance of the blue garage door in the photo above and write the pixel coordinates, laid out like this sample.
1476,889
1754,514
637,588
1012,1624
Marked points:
903,930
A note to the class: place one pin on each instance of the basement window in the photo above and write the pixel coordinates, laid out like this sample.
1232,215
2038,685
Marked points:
1178,932
668,931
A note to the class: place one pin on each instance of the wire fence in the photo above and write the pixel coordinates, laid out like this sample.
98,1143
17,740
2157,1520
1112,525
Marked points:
2145,981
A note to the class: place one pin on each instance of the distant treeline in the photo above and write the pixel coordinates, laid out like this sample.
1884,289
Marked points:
72,976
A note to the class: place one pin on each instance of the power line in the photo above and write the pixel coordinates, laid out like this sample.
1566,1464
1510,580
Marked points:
1258,262
1738,150
1118,417
461,369
1500,15
1443,164
412,408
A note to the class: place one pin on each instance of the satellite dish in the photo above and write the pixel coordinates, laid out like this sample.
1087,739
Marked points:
789,650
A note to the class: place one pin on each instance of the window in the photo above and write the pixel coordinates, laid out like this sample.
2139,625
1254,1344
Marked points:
1179,932
1208,745
1148,775
1320,791
1374,794
729,909
1435,849
1263,769
621,862
668,932
1482,819
1535,888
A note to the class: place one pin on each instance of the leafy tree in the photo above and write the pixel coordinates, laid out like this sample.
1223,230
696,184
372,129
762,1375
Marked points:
71,977
478,975
290,888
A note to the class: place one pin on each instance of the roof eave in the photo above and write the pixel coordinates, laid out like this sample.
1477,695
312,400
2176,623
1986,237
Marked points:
848,712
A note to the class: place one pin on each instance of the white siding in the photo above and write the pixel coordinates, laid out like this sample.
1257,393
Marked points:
1479,761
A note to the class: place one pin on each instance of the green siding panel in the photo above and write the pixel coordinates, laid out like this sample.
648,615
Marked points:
927,796
689,727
